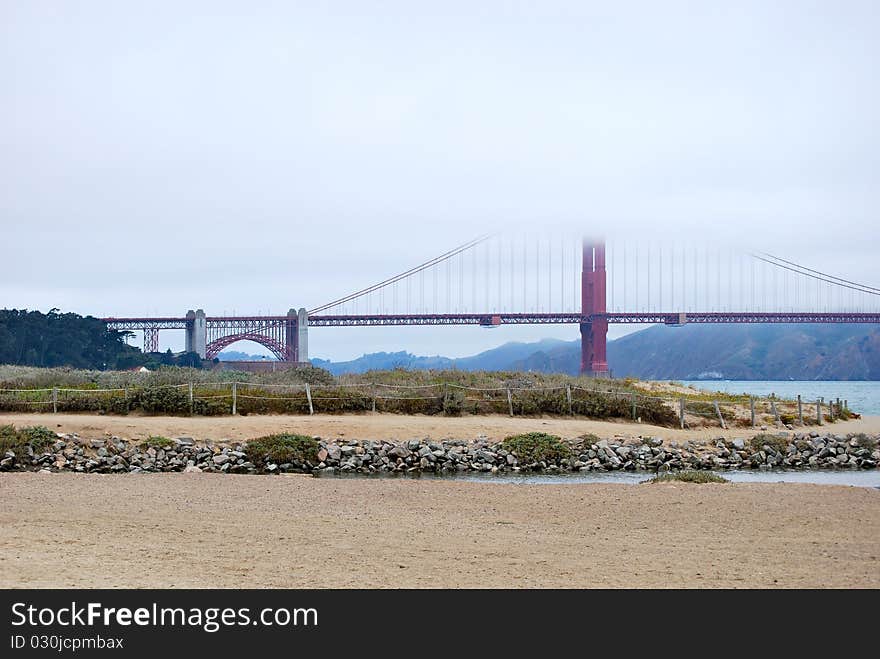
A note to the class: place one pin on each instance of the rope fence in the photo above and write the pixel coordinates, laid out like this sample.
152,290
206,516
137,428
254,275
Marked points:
218,398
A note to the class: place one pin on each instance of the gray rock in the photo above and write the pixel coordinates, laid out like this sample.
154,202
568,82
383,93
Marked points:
739,444
221,459
401,451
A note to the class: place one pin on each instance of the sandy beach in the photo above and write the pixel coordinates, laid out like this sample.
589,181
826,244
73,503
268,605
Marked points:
211,530
377,426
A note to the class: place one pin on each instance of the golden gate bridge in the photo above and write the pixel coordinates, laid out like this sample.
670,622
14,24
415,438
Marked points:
495,280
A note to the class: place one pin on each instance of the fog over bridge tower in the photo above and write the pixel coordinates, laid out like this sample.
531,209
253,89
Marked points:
594,334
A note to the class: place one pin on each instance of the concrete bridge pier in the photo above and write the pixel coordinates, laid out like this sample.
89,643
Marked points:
296,336
197,332
302,331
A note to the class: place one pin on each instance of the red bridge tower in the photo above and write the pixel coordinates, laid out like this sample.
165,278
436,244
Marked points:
595,332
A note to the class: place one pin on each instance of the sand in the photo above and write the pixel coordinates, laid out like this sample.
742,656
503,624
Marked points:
376,426
211,530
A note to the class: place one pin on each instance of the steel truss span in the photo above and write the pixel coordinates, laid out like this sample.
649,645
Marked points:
253,324
492,320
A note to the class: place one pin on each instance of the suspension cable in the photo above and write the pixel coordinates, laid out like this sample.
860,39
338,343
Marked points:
420,268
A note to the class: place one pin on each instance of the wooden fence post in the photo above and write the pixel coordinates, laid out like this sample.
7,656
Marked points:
55,400
510,401
634,411
720,418
800,410
775,411
568,398
309,397
681,412
190,397
752,409
819,411
234,397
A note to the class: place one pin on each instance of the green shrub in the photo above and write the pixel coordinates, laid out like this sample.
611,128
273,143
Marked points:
689,476
38,438
282,448
864,441
212,406
778,444
453,403
536,447
587,441
157,442
540,401
162,400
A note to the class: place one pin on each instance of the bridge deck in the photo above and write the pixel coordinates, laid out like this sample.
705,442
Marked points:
494,319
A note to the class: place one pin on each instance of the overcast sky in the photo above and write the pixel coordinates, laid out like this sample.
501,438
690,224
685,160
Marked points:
257,156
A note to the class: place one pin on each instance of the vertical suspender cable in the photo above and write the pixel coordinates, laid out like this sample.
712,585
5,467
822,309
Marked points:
549,274
562,274
660,302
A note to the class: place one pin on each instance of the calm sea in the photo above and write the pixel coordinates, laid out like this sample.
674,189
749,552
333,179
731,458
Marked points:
863,397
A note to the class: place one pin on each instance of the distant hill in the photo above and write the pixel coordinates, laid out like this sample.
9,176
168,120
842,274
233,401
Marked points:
497,359
236,356
692,352
750,352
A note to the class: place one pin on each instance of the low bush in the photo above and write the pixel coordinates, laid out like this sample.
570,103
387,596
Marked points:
778,444
587,441
453,403
689,476
157,442
536,447
282,448
162,400
864,441
39,438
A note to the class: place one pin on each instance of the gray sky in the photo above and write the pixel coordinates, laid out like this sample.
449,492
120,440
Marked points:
256,156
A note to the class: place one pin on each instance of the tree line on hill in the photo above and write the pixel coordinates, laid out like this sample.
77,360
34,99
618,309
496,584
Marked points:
32,338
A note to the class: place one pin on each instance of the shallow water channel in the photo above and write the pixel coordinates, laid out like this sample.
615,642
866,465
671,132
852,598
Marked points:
857,478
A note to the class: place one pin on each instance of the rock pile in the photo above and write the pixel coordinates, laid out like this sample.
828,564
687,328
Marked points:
786,451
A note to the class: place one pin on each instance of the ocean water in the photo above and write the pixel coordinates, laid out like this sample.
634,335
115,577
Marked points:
863,397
